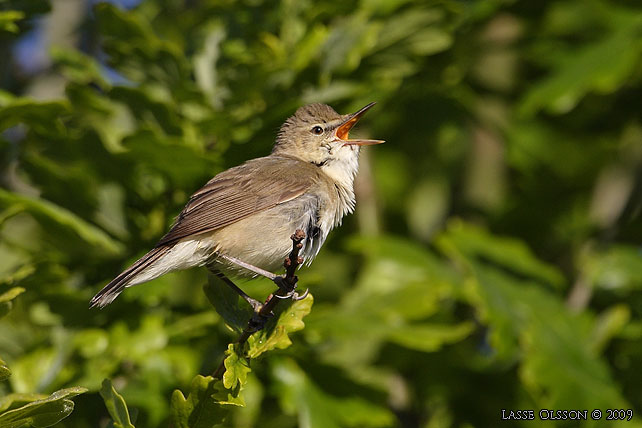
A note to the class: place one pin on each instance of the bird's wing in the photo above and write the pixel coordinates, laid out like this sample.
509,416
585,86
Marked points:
239,192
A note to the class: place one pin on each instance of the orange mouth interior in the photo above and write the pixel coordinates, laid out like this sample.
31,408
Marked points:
343,130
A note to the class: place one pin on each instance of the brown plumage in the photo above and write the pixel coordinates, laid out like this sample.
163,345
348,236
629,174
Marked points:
239,192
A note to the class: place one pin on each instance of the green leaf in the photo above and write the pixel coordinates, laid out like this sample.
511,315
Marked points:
43,117
225,396
77,66
52,215
192,325
429,337
235,312
414,260
30,368
4,370
429,41
8,19
275,334
116,405
401,285
609,324
202,408
405,24
139,345
318,409
43,412
347,43
132,45
123,25
617,268
308,47
15,400
236,369
355,336
6,298
91,342
600,67
510,253
19,274
172,157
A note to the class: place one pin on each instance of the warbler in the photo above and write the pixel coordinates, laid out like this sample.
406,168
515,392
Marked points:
248,212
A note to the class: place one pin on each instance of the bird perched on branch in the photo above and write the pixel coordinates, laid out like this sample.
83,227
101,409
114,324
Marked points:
240,222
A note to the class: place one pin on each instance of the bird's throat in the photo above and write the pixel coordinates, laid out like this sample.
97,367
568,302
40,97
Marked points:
342,173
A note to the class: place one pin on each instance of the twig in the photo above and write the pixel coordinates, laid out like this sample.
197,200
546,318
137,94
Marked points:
286,283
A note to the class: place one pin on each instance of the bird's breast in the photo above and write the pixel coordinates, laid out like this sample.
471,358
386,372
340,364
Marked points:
263,239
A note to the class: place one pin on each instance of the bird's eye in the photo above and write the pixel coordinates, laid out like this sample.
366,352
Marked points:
317,130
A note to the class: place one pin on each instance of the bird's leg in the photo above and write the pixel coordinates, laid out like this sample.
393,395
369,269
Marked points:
251,268
256,305
288,282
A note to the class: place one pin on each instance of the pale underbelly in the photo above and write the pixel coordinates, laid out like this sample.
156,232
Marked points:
263,240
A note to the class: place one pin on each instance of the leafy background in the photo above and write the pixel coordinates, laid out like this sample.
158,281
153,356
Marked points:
493,262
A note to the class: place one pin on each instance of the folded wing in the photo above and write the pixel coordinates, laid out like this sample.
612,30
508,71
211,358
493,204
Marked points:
239,192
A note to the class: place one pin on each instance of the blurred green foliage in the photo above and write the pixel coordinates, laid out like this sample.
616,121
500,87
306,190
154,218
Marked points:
494,260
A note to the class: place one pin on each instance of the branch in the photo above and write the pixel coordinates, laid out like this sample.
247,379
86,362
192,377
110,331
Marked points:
286,283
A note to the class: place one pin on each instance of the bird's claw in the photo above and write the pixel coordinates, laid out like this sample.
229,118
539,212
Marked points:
286,296
294,295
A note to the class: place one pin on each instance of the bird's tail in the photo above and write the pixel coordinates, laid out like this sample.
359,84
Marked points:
118,284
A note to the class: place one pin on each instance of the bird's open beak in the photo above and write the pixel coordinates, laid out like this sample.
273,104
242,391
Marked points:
343,129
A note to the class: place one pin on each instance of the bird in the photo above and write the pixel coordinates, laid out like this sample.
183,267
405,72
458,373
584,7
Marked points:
248,212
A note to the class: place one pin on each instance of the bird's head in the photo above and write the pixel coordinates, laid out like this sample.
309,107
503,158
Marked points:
319,135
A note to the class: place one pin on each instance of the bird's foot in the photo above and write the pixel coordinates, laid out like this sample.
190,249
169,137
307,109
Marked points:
289,288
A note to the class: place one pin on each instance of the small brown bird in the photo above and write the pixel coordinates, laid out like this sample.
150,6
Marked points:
248,212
